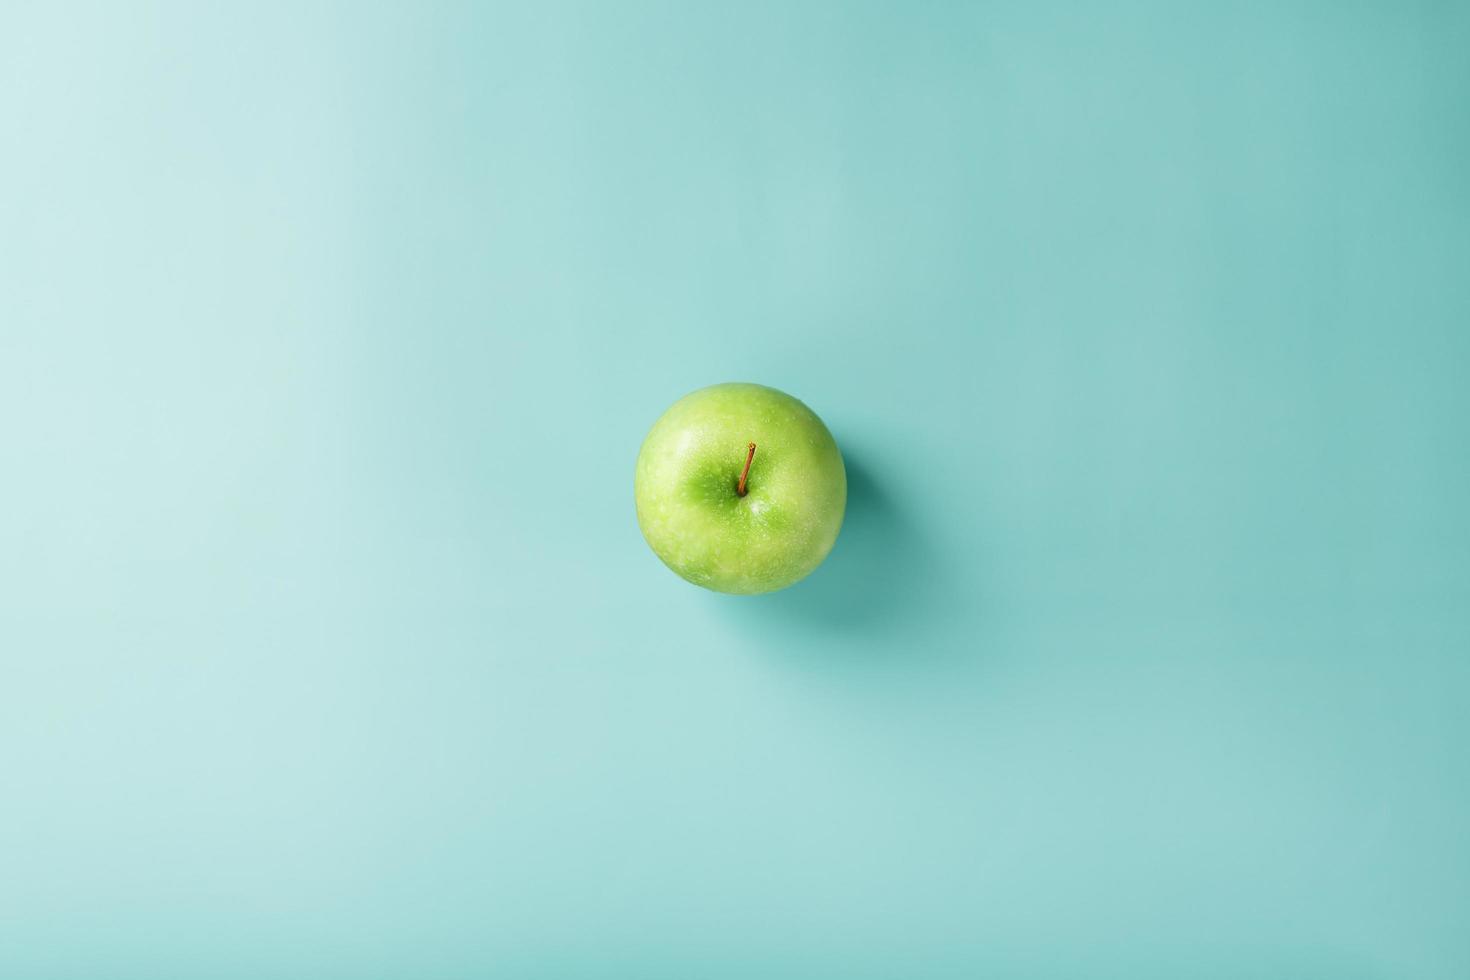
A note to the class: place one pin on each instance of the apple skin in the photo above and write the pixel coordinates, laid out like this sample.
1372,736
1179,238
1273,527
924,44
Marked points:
685,489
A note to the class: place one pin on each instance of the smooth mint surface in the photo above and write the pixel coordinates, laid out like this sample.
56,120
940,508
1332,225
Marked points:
686,489
331,647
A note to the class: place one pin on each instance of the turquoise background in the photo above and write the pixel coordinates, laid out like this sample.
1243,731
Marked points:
329,646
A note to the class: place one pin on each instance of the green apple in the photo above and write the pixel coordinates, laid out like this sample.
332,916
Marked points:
740,488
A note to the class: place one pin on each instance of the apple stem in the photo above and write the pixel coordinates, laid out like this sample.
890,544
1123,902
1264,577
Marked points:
750,455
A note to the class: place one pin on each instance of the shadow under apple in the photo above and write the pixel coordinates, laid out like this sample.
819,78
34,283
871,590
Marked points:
878,588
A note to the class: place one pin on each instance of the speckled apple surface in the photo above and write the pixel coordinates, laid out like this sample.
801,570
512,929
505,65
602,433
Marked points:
687,478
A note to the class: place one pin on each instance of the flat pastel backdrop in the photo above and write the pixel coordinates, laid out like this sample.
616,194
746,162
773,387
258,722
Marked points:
329,647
